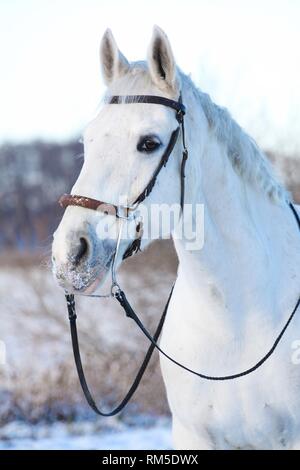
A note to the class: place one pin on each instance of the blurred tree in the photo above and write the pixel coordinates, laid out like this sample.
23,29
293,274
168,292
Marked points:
32,177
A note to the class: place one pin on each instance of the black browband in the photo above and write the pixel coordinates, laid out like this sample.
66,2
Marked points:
178,106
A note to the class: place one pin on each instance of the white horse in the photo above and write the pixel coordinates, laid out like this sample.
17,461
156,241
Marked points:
233,296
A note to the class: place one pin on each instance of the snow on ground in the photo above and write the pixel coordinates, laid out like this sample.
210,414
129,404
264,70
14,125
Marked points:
38,380
84,436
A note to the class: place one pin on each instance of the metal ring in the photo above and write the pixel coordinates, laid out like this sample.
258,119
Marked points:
115,289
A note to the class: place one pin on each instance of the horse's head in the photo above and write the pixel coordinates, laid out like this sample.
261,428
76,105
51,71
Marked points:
123,146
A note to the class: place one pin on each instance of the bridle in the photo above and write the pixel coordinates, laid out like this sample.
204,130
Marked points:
129,213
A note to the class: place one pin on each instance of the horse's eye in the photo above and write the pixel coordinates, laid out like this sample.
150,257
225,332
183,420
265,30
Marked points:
148,144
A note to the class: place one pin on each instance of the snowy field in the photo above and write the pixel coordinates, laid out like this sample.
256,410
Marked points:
41,403
85,436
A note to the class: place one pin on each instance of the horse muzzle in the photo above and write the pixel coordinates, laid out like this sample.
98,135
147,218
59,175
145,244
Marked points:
80,260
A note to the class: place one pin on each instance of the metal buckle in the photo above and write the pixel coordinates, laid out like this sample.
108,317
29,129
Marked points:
124,213
180,115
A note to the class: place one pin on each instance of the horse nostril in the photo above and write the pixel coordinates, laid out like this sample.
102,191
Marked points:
83,248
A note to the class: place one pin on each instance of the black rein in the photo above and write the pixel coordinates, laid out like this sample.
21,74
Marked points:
130,313
120,295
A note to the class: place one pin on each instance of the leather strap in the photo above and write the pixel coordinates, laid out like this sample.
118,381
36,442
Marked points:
178,106
76,351
295,214
185,155
122,299
88,203
163,162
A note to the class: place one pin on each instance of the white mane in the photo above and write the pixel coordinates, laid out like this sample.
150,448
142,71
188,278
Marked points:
246,157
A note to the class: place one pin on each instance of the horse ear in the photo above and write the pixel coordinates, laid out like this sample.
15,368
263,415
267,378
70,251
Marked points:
113,63
161,61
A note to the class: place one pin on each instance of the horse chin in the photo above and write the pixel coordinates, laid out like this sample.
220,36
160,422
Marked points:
96,284
83,282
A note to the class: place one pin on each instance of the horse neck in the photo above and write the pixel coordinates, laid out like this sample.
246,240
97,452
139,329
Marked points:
246,263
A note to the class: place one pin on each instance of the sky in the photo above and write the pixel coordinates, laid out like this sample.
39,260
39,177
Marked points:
244,53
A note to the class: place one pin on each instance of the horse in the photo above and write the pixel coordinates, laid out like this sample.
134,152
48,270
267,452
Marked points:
232,294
